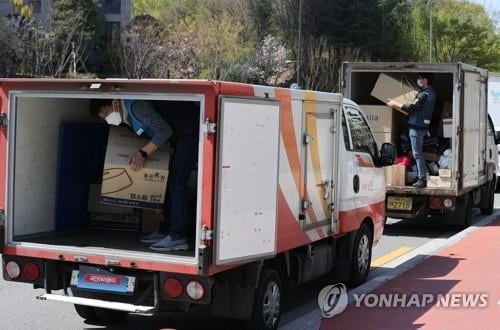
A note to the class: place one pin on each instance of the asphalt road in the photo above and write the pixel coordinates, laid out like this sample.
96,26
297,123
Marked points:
20,310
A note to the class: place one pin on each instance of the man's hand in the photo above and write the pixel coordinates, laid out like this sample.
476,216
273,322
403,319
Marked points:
137,161
393,104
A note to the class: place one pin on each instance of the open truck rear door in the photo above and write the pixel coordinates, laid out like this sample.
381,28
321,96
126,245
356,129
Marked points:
247,179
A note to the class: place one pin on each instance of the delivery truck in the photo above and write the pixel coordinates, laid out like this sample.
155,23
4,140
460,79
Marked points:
289,186
460,148
494,108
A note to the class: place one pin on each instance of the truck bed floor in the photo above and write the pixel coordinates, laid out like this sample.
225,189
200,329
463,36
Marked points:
94,238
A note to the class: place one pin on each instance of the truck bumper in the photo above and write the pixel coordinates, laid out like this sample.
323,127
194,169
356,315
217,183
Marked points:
422,206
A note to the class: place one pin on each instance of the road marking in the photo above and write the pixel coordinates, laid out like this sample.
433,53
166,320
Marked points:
390,256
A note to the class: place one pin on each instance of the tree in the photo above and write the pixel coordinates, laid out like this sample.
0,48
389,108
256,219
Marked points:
270,62
73,27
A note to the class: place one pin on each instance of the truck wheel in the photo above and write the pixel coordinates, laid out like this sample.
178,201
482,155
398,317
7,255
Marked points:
491,199
266,312
462,217
87,313
361,256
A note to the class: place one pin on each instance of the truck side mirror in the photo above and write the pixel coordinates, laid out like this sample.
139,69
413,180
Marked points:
387,154
497,137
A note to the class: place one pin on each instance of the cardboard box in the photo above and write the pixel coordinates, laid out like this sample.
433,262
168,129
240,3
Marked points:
430,157
396,175
387,87
122,186
115,221
94,203
447,127
151,220
382,137
438,182
379,117
445,173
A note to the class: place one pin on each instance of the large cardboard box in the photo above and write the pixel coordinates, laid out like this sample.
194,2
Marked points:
380,117
396,175
115,221
122,186
387,87
382,137
96,206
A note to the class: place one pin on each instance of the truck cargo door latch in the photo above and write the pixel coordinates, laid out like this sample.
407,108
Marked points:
3,120
206,234
210,128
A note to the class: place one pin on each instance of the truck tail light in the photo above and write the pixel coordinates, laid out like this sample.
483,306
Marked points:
436,203
448,203
13,270
195,290
173,287
31,271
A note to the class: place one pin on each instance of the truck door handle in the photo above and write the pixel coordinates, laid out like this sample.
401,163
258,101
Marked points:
355,183
326,187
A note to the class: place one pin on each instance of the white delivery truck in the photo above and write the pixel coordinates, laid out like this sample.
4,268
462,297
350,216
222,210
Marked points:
460,150
494,107
289,186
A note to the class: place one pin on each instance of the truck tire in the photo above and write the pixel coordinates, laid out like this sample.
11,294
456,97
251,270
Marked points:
462,217
87,313
491,199
361,256
266,311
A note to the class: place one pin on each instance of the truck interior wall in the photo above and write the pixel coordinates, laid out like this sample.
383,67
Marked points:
50,206
37,133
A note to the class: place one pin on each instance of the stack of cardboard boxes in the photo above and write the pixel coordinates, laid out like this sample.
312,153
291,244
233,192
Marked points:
383,119
117,203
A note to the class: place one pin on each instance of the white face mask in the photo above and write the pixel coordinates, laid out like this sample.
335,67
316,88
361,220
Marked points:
114,119
419,83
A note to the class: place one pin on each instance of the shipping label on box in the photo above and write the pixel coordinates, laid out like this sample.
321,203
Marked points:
379,117
123,186
387,87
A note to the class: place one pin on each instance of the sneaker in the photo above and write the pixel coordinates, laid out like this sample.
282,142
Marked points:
168,244
420,183
152,238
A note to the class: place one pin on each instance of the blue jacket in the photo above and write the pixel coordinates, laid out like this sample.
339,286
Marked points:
143,118
421,110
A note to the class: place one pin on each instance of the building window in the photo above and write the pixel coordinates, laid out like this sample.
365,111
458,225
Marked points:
112,6
112,31
37,6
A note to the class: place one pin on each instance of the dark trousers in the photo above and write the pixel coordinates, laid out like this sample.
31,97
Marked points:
182,164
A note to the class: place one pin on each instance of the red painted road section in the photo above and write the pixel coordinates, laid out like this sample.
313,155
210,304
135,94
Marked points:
471,265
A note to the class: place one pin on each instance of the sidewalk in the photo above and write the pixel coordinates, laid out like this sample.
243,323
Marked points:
470,266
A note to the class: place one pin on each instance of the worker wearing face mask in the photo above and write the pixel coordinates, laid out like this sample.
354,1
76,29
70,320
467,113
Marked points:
142,118
419,118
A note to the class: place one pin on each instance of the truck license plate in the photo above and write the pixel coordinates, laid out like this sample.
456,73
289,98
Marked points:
95,279
399,203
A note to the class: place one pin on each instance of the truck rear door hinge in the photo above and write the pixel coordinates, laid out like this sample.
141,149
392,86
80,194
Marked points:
306,139
209,127
3,120
206,234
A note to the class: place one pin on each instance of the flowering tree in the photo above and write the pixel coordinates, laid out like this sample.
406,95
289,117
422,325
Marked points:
270,62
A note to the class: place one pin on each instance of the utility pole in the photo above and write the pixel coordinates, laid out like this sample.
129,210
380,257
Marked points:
299,46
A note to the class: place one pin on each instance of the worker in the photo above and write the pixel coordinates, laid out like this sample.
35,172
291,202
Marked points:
420,113
181,129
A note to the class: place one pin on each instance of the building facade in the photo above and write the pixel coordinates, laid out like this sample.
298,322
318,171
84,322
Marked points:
113,14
